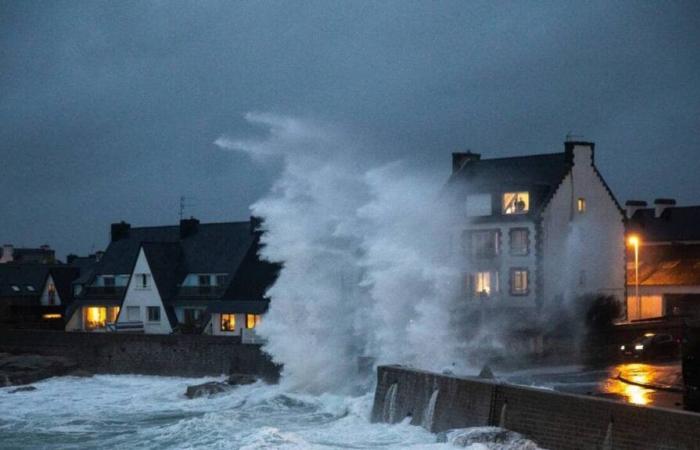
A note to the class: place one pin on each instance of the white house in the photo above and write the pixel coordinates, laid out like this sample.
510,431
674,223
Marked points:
537,229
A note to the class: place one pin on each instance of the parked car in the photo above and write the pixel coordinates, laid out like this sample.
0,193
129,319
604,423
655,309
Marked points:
652,346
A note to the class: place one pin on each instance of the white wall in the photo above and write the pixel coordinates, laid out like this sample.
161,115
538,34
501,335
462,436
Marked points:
592,242
142,298
45,293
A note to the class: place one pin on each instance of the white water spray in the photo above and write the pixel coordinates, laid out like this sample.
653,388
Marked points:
366,252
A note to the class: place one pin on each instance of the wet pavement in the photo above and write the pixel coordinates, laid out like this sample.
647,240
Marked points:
641,383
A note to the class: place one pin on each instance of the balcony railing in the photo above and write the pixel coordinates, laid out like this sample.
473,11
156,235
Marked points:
200,291
104,291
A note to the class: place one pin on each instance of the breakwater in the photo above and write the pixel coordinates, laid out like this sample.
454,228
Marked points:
176,355
554,420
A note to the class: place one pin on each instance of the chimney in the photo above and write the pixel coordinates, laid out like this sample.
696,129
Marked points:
660,205
7,251
188,227
70,258
460,159
579,151
255,224
631,207
120,230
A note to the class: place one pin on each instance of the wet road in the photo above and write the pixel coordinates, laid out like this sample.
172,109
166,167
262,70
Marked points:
656,384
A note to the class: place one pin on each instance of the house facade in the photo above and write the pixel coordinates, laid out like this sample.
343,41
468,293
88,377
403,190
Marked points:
663,281
536,230
187,278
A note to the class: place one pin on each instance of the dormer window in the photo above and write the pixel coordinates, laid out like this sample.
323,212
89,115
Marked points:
516,202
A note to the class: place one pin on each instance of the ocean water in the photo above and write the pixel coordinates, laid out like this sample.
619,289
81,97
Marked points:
130,411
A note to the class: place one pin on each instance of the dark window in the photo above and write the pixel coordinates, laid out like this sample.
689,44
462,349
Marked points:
142,280
519,281
519,241
484,243
109,284
204,284
192,315
221,280
154,313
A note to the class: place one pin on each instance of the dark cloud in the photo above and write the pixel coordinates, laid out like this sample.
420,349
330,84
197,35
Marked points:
109,110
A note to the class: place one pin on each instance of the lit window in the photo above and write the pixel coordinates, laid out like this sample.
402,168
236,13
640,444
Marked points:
484,243
97,316
581,205
51,291
478,205
228,322
519,281
519,241
516,202
51,316
154,313
482,284
15,288
252,320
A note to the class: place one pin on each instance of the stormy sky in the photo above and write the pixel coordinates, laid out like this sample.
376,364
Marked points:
110,110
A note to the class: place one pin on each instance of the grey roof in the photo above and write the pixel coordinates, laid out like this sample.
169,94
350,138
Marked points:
666,265
248,307
676,223
538,174
213,248
22,275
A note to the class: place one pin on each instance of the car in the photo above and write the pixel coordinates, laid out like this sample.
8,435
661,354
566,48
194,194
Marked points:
652,346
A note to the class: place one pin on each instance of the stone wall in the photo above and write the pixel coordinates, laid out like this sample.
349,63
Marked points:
554,420
178,355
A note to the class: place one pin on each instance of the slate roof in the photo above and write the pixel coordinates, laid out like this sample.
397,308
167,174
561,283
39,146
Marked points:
666,265
675,224
35,275
538,174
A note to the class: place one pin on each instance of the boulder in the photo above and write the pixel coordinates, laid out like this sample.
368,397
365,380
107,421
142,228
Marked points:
238,379
80,373
207,389
23,389
491,438
27,368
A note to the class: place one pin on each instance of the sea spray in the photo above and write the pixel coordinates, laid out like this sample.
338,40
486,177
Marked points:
368,269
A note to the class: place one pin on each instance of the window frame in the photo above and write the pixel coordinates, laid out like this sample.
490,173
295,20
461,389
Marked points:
256,320
222,321
480,200
495,251
511,232
128,313
517,195
511,282
581,206
152,309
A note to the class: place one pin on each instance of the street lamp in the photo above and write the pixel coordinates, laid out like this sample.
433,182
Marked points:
634,240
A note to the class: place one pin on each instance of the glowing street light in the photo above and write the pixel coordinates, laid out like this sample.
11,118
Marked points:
634,241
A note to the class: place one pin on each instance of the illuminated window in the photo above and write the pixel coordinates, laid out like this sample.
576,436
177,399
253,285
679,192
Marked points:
154,313
519,281
252,320
51,316
519,241
51,290
478,205
482,284
484,243
228,322
581,205
516,202
96,317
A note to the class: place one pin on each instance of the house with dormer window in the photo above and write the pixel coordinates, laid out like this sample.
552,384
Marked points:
187,278
536,229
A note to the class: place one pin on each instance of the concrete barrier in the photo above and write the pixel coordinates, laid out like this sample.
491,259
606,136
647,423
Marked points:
554,420
121,353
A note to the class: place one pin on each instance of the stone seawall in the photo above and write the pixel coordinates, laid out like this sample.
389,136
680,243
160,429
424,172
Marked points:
176,355
554,420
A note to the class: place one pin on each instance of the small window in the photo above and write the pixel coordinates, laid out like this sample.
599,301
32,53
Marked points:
482,284
519,241
154,313
581,205
133,313
483,243
15,288
204,280
142,281
516,202
478,205
221,280
519,279
252,320
108,280
30,288
228,322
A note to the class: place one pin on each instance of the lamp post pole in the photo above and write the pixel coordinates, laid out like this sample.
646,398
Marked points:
636,278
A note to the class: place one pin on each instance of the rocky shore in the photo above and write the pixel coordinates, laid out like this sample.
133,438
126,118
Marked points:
25,369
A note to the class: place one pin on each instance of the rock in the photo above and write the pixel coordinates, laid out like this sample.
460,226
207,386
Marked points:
486,437
206,389
26,368
80,373
487,373
238,379
23,389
